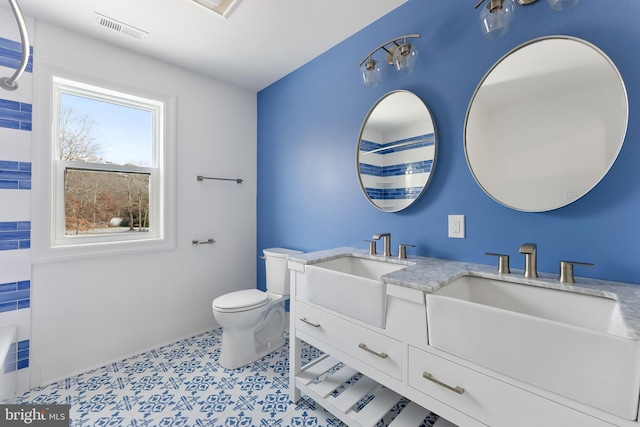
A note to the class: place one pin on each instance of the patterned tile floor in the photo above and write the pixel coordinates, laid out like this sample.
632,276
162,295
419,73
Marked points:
183,385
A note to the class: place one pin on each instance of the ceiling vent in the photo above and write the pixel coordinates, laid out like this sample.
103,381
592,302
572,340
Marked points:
120,27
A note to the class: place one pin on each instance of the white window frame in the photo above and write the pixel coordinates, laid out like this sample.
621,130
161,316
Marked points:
50,242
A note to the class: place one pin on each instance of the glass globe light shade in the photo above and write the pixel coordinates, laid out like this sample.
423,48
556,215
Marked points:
496,17
371,72
404,58
559,5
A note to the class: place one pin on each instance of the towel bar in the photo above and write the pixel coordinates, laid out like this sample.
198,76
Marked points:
237,180
204,242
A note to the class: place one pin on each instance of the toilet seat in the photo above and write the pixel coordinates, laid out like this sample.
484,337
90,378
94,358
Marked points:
245,300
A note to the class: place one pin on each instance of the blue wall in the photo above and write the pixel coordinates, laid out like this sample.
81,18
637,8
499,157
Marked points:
308,123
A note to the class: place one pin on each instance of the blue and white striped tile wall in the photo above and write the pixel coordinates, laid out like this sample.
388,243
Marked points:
15,115
15,296
396,170
419,166
15,208
18,357
15,235
11,53
393,193
15,175
395,147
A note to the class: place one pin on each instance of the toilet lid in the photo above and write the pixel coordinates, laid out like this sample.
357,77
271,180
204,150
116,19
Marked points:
241,300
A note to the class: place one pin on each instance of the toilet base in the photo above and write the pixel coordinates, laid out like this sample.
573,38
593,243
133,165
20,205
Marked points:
233,357
242,346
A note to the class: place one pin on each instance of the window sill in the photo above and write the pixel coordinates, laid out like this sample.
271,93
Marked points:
94,250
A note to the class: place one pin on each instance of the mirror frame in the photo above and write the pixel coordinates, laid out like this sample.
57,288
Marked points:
428,116
623,129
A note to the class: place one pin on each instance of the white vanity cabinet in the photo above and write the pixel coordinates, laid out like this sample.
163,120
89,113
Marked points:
377,350
486,398
379,357
396,361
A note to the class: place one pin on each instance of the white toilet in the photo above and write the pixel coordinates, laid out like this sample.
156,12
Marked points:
253,321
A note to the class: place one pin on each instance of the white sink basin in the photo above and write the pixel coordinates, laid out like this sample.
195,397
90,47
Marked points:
565,342
352,286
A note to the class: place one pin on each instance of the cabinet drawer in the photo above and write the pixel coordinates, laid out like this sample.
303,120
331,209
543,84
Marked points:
381,352
487,399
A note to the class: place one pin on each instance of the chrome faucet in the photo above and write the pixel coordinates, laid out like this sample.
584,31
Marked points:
530,251
386,242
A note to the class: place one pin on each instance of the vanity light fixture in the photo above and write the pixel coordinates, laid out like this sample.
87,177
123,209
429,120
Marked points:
400,53
496,16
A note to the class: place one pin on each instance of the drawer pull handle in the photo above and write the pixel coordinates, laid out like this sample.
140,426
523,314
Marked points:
308,322
380,355
456,389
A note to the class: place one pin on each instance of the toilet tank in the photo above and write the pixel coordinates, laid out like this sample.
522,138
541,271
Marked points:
276,267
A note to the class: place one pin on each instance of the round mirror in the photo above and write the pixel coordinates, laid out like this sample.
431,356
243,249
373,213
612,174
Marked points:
546,123
396,151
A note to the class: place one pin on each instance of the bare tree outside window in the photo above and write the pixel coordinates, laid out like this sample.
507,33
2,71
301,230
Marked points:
98,201
78,141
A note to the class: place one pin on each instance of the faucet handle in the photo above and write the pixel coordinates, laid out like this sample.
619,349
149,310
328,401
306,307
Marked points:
503,262
402,250
566,270
372,247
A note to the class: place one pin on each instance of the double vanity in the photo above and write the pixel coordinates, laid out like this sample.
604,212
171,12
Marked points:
474,346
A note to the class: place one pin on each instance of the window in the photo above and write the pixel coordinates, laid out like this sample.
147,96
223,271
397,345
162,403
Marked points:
111,181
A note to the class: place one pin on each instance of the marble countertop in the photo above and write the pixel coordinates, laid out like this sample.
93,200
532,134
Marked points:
430,274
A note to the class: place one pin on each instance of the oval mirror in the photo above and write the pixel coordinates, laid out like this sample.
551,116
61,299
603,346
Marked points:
396,151
546,123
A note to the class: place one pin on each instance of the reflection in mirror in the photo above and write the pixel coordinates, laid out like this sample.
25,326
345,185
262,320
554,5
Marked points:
546,124
396,151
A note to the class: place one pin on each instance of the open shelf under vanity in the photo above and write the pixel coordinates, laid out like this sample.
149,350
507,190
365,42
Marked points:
356,399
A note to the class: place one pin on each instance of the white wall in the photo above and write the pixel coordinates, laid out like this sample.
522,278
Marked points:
15,206
88,312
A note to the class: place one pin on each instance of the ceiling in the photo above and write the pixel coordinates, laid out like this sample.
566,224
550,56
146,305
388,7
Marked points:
260,42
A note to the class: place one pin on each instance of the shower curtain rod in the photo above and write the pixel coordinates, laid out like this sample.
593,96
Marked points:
10,83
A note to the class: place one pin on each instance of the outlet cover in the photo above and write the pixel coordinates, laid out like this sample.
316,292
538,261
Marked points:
456,226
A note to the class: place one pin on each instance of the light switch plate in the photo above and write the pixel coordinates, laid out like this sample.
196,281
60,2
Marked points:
456,226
